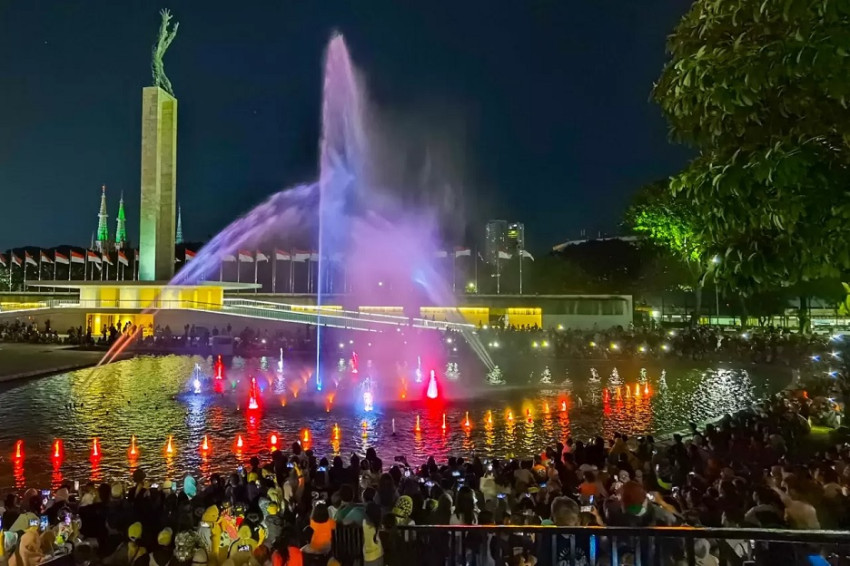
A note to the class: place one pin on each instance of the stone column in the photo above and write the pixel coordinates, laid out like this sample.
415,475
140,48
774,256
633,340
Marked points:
159,185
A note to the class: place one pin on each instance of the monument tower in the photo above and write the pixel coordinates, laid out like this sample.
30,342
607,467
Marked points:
159,166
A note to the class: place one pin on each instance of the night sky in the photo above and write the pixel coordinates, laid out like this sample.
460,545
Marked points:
544,104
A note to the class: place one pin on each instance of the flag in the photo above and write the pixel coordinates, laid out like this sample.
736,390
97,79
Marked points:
122,258
261,257
77,257
441,254
245,256
136,257
29,259
107,259
524,253
301,256
93,257
504,255
461,252
44,258
228,257
188,254
282,256
3,260
60,258
16,260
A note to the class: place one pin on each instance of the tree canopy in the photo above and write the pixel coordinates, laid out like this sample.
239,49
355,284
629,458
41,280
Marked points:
761,88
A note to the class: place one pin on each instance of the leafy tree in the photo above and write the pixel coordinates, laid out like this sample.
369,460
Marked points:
761,88
671,225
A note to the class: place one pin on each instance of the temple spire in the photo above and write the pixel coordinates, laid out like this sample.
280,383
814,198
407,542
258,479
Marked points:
178,239
121,228
102,240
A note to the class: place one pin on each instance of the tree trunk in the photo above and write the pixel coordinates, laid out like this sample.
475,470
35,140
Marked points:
745,317
698,300
803,315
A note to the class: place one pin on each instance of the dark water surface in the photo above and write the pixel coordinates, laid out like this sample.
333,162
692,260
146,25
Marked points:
152,398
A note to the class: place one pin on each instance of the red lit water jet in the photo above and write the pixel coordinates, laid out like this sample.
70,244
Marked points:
432,392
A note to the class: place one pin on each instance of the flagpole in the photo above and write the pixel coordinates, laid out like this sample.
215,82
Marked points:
291,271
454,272
498,273
256,267
238,265
476,270
520,272
39,264
70,263
274,273
25,271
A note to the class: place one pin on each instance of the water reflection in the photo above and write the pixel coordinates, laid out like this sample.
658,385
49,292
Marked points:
133,407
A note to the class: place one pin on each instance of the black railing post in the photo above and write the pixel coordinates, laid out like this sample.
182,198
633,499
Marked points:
689,551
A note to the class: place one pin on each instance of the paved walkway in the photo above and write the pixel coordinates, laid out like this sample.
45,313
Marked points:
18,361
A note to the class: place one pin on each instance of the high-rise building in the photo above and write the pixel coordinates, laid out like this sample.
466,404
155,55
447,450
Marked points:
515,237
178,238
121,226
495,239
101,243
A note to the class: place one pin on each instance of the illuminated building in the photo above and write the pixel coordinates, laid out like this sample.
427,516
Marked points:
495,239
121,226
101,243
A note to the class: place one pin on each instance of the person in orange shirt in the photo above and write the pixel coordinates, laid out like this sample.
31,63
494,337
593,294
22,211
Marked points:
286,550
323,527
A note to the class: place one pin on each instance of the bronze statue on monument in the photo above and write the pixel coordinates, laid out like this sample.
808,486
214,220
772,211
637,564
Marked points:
165,38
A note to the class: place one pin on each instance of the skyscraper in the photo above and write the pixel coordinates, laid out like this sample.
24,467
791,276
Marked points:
178,238
102,241
495,239
121,226
515,237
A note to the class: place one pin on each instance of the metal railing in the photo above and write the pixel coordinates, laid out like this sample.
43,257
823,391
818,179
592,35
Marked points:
581,546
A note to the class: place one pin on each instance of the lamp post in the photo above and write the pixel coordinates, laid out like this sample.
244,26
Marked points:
716,261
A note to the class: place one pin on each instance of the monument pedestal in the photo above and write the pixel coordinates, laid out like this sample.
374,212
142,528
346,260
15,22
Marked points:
159,185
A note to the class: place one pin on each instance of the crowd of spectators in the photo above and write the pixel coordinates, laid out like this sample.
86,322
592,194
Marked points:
762,345
754,469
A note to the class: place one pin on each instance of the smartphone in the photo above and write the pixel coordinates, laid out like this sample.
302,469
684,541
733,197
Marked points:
429,483
650,496
407,473
77,485
45,493
490,467
68,519
42,523
240,469
33,523
501,495
154,486
244,548
586,508
322,469
456,474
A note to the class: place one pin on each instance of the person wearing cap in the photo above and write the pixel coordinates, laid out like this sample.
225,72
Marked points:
403,509
272,523
242,549
163,554
128,552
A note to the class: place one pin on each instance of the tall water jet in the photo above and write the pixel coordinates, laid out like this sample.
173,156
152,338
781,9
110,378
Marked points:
340,168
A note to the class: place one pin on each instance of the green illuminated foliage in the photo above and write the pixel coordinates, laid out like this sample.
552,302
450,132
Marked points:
760,88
